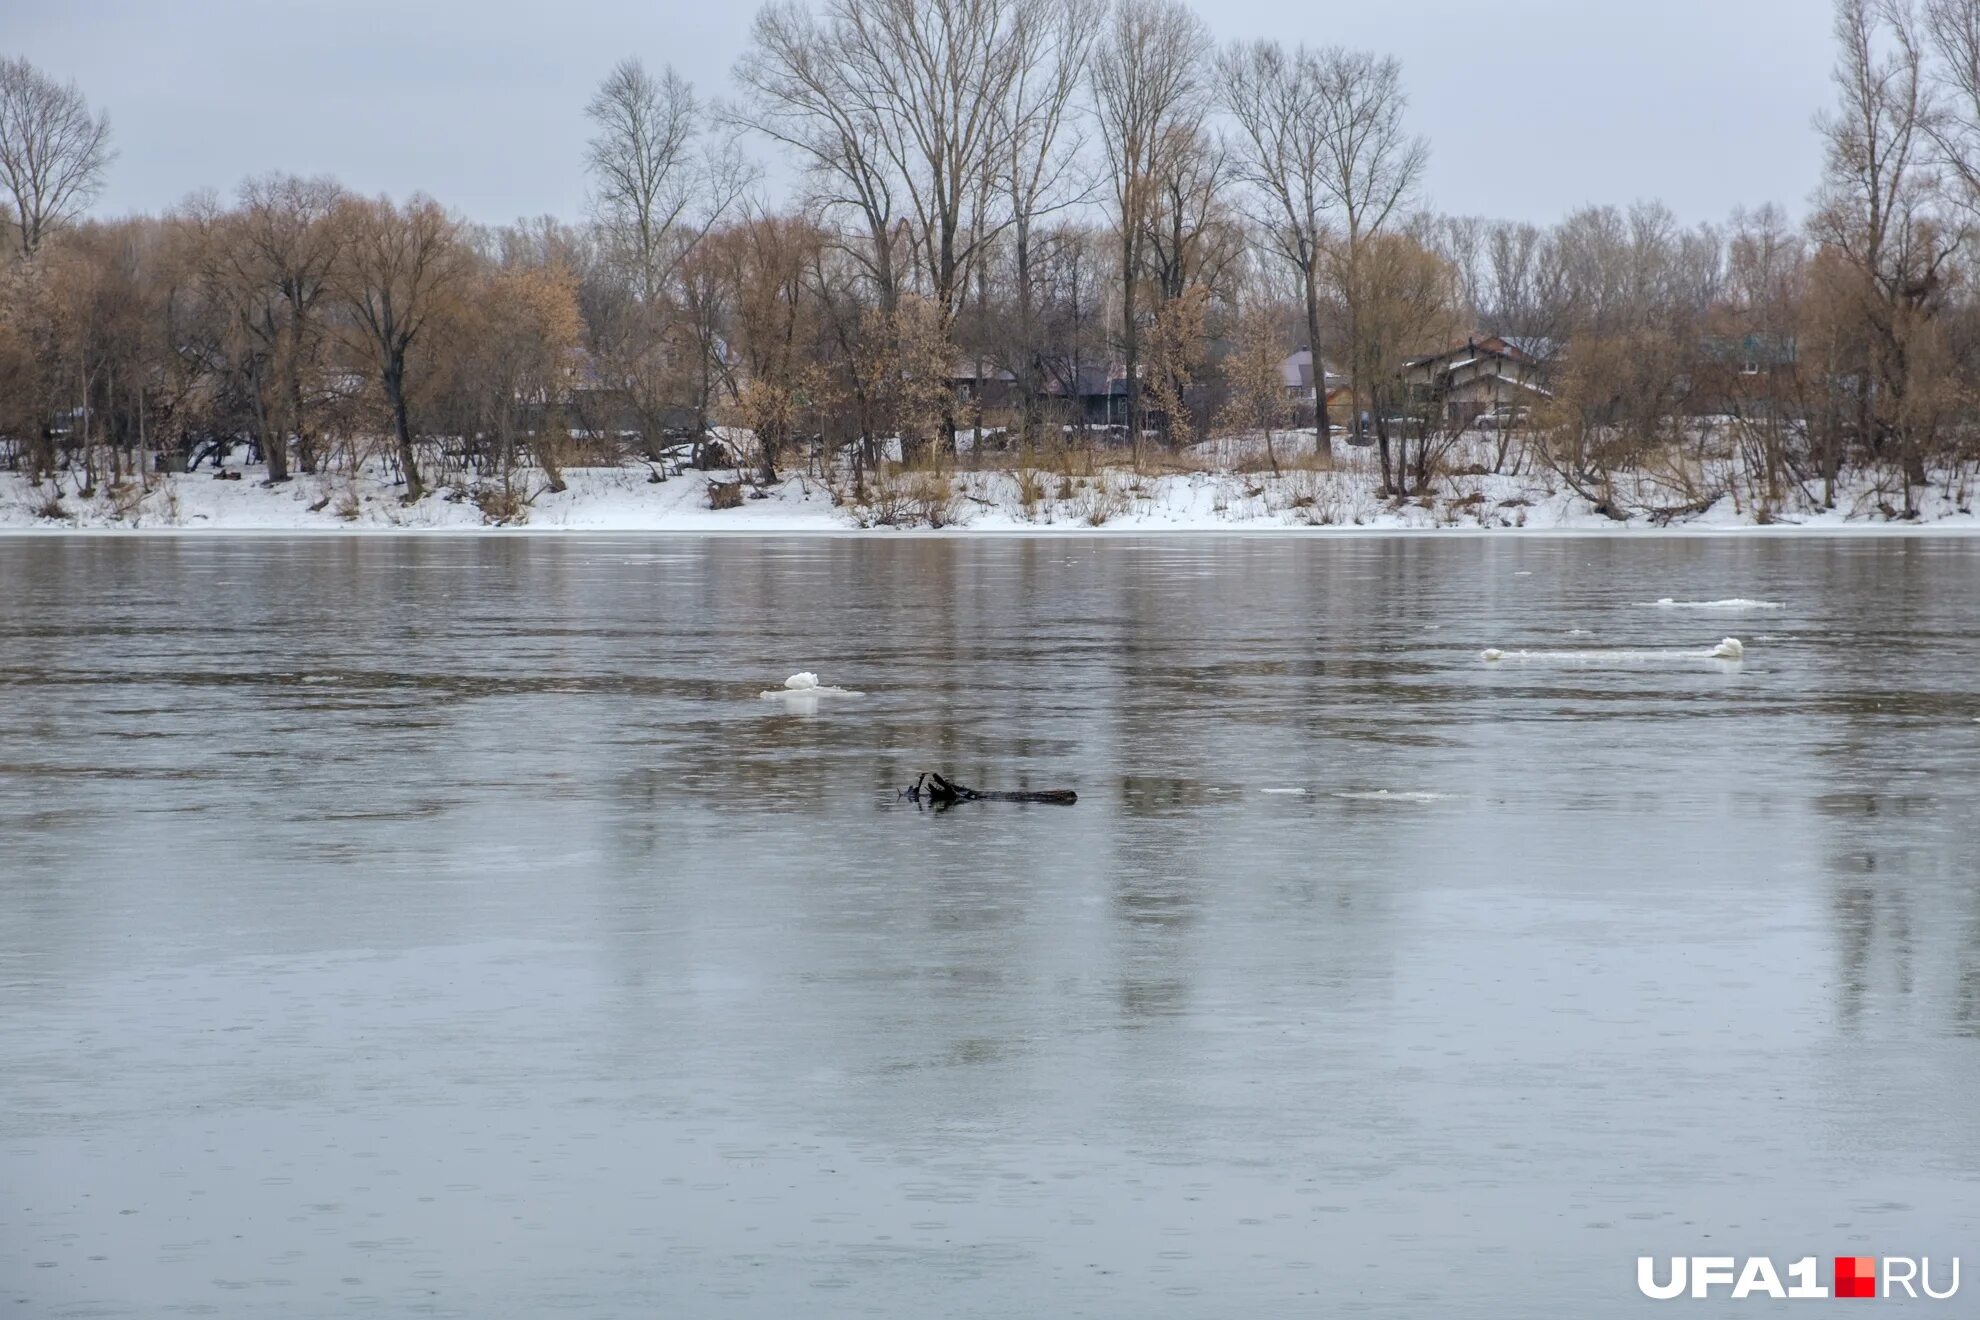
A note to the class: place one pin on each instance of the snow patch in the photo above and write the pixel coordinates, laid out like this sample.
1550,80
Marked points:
1334,494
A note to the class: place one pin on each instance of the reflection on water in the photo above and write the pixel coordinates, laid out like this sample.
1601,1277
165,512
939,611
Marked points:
446,926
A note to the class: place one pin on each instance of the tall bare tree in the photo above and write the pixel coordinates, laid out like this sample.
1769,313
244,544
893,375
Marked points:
1151,93
1275,96
1877,212
1039,170
53,151
897,101
654,195
1951,28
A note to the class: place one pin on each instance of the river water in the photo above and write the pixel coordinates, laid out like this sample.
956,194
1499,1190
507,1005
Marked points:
446,926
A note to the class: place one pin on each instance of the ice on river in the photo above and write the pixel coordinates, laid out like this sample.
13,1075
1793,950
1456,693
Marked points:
1731,605
803,689
1730,648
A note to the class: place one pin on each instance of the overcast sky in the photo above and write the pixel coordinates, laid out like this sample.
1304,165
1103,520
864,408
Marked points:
1532,107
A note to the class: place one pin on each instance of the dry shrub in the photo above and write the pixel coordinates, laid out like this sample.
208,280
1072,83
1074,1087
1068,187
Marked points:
52,507
909,499
501,506
1069,459
348,507
1030,491
126,499
725,494
1102,502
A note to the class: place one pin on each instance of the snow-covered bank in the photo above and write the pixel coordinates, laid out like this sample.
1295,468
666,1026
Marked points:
1109,499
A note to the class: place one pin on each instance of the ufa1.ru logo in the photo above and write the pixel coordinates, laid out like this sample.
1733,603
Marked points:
1853,1276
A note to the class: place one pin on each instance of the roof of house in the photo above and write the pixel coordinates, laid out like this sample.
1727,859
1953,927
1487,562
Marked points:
1759,349
1297,371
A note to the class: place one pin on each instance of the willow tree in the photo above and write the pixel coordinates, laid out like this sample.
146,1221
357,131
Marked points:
402,267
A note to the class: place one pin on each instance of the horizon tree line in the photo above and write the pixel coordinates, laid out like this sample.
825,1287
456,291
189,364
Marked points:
1005,208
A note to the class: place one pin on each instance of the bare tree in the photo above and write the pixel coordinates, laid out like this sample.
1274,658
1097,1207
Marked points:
1373,162
897,100
655,196
1877,213
53,151
796,98
402,266
1952,31
290,243
1523,285
1275,95
1151,88
1039,166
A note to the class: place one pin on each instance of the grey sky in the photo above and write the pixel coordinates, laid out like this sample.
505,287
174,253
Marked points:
1532,107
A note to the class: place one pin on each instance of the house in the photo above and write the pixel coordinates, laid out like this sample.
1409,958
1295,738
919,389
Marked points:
1744,373
1297,373
1480,375
982,384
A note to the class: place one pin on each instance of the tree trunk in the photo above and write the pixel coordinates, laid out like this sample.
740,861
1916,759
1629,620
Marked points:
1323,439
1131,352
275,445
1382,443
395,393
305,445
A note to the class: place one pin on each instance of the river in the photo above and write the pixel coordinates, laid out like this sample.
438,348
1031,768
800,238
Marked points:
447,926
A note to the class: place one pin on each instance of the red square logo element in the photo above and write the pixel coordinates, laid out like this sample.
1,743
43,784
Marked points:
1856,1276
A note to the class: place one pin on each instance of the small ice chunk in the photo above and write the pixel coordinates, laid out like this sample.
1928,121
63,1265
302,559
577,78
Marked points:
1491,653
802,690
1729,649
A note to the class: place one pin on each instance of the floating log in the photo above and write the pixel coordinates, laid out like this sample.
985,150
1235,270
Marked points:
931,788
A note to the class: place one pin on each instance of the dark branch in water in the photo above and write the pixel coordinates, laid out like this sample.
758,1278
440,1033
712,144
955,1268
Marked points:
936,791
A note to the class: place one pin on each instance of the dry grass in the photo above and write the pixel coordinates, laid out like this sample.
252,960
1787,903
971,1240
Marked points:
725,494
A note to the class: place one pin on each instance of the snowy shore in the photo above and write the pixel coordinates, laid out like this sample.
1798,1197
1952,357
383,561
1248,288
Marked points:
1108,500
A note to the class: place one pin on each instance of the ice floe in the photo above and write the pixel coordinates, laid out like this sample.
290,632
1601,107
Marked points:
802,691
1730,648
1732,605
